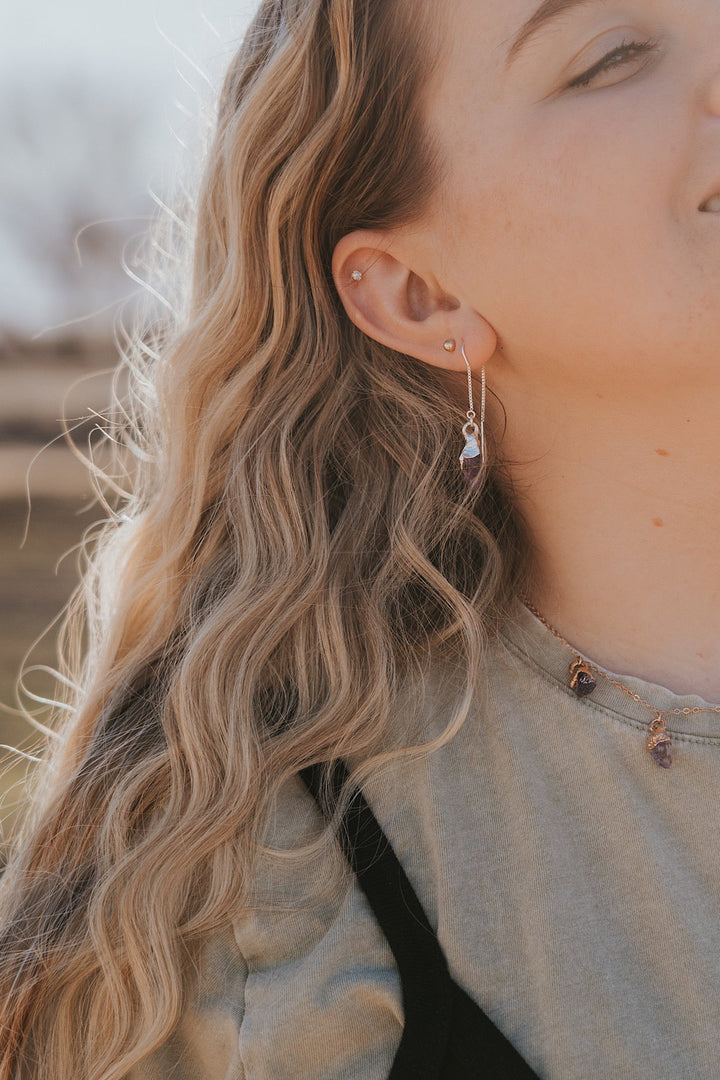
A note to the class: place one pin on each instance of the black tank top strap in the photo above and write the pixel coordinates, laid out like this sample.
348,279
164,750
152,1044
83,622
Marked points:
446,1035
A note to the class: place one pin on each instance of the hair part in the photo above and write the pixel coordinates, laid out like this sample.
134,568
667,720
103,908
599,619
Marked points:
297,546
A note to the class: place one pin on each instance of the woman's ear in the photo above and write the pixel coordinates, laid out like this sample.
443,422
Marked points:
405,309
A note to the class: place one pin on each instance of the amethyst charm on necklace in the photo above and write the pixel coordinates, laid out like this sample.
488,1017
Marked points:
583,681
659,743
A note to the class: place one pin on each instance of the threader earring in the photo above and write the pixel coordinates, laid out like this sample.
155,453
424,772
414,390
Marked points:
473,456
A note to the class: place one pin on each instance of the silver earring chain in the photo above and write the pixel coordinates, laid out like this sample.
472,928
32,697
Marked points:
471,411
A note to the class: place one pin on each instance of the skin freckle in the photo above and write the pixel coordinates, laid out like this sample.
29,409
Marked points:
663,453
658,523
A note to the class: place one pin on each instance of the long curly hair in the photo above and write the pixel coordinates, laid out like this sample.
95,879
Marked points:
298,543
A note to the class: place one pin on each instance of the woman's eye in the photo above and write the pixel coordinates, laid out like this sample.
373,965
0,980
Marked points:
616,58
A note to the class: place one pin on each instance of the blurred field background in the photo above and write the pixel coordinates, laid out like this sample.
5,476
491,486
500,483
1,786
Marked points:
102,116
45,506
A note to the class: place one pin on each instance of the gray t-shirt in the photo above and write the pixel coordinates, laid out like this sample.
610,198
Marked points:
574,886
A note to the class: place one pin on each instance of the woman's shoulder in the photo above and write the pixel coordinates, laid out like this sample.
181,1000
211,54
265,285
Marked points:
204,1045
301,984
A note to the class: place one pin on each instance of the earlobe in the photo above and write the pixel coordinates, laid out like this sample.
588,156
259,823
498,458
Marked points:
403,307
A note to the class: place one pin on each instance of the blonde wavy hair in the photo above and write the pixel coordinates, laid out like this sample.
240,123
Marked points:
297,544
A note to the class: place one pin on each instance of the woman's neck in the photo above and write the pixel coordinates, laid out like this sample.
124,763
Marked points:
623,505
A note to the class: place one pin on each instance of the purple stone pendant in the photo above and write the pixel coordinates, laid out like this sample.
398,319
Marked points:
471,459
659,743
583,681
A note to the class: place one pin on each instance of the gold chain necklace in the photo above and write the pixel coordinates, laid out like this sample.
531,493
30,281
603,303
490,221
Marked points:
583,682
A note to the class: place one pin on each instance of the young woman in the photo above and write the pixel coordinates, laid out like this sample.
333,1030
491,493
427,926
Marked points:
382,764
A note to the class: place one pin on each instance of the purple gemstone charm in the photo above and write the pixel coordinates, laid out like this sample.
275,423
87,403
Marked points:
583,681
659,743
471,462
661,755
471,469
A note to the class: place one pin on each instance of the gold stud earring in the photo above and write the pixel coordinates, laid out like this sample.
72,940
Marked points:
449,345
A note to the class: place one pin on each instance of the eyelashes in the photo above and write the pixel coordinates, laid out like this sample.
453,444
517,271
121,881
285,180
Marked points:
618,56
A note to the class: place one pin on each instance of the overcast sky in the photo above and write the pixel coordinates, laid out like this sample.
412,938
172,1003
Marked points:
73,159
60,34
